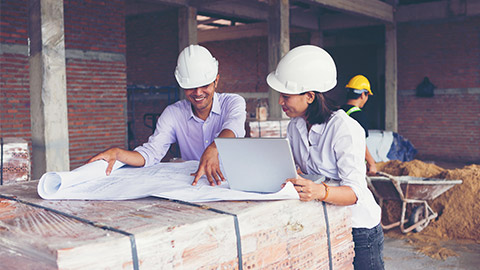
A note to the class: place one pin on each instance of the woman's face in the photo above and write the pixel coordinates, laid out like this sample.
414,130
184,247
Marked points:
295,105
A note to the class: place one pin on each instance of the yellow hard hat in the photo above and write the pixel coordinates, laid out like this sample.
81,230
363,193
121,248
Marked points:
359,82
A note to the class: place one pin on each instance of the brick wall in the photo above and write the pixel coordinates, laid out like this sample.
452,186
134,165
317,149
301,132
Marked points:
14,82
92,25
242,64
96,107
96,84
96,77
446,126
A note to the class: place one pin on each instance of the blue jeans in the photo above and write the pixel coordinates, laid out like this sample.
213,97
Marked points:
368,248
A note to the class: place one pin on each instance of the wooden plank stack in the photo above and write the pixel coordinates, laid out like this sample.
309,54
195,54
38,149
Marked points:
154,233
15,160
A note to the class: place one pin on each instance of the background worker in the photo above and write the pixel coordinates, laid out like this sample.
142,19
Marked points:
358,90
193,123
325,141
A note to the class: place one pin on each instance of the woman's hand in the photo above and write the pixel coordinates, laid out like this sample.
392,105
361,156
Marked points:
307,189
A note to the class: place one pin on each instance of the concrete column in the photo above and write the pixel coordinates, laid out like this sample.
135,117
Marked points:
391,105
278,46
187,31
48,88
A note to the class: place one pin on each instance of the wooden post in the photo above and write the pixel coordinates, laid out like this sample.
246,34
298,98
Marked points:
187,31
278,45
391,121
48,88
316,36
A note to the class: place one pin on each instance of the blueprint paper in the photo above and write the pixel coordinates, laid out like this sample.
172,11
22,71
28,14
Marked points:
166,180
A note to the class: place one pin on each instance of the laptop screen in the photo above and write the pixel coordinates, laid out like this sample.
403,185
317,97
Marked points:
256,164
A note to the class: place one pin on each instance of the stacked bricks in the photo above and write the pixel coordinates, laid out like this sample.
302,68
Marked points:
298,244
284,234
269,128
15,159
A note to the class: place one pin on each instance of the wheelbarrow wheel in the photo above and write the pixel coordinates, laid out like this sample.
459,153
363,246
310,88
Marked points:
418,215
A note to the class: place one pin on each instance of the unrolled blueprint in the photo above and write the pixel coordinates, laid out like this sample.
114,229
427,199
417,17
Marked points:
167,180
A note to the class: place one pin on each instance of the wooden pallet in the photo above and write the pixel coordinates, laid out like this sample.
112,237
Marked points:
154,233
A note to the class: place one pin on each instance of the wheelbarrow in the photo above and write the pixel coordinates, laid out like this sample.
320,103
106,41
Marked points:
407,189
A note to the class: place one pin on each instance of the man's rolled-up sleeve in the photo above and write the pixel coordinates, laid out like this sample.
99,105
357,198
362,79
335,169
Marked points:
235,115
159,142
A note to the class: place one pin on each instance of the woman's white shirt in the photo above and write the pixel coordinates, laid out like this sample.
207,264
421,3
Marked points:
336,149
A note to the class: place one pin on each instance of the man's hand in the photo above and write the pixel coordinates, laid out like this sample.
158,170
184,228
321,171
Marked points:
110,156
209,166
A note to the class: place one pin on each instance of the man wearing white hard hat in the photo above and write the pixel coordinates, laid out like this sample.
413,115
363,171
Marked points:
194,122
326,141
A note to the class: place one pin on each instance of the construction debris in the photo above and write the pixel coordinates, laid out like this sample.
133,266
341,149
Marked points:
458,209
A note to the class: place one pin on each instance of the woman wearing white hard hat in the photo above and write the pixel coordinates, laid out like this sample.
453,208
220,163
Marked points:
326,141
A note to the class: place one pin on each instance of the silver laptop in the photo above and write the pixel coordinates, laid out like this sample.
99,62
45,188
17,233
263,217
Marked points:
256,164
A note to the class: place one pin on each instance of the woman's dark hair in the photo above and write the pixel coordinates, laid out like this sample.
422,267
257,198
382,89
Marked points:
319,111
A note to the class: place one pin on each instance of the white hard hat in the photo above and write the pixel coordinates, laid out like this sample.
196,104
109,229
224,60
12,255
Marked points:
304,68
196,67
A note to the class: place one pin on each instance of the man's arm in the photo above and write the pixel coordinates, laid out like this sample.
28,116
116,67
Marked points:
209,163
111,155
159,142
371,165
233,126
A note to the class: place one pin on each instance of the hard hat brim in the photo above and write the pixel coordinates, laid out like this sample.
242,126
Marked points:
276,85
195,84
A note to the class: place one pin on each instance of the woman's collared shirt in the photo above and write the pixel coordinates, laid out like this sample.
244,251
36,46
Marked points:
336,149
